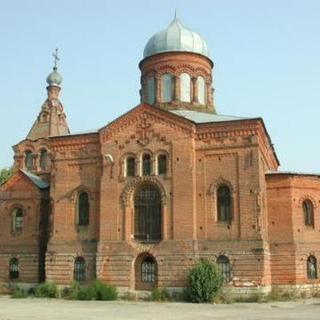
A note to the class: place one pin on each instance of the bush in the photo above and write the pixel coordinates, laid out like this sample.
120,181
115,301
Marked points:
160,294
103,292
47,290
204,282
94,291
18,293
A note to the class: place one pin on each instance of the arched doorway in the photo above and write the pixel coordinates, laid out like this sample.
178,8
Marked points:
147,214
146,272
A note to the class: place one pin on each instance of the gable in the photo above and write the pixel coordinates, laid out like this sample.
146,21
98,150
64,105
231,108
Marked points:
144,117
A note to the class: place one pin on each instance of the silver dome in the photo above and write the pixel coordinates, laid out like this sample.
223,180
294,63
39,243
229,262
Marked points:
54,78
176,38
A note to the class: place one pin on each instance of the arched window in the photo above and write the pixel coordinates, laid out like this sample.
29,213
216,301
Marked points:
162,164
130,167
224,204
17,220
147,206
151,90
83,208
146,164
43,159
28,161
224,267
308,212
79,272
145,272
185,87
166,88
14,269
312,268
201,90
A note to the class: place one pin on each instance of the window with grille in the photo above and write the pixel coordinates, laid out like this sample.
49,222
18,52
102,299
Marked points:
130,167
83,208
146,164
151,90
224,267
224,204
14,269
79,269
148,270
162,164
312,268
308,212
147,205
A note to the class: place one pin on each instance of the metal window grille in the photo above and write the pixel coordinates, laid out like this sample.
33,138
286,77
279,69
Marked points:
224,267
14,269
79,269
147,203
148,270
312,268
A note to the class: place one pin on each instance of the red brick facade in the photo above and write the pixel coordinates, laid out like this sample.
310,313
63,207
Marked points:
267,238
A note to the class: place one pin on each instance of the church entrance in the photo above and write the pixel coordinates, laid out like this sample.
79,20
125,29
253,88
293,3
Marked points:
147,214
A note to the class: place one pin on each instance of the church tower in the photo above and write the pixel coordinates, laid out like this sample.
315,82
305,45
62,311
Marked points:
33,153
176,70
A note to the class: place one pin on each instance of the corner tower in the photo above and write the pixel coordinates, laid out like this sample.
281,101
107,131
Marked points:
176,71
51,120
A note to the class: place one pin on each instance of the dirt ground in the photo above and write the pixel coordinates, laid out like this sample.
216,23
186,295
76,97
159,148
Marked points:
45,309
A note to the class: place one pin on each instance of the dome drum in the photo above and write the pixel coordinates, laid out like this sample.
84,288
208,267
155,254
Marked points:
177,80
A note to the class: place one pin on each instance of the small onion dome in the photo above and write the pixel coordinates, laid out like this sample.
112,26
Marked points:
54,78
176,38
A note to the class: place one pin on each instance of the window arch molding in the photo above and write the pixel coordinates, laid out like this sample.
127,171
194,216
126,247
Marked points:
128,192
307,197
74,193
146,277
213,193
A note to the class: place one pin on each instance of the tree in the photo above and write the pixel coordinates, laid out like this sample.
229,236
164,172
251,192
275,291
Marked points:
5,174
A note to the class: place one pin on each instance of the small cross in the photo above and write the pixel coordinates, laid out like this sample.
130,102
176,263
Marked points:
143,125
56,58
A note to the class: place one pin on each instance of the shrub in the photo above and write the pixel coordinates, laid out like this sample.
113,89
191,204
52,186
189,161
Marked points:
160,294
18,293
103,292
47,290
204,282
96,290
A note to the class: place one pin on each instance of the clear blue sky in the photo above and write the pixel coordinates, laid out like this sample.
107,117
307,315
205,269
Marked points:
266,55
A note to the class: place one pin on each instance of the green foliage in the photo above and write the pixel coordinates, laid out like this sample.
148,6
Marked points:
47,290
204,282
160,294
19,293
96,290
5,174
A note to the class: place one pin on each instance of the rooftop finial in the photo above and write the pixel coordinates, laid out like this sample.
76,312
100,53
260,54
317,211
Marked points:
56,59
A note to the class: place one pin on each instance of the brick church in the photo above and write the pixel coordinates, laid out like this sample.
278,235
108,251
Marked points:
138,201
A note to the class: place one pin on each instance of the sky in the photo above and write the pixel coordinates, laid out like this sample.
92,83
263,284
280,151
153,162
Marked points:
266,58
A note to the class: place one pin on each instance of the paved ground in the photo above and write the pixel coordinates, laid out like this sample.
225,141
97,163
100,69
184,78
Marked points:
45,309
